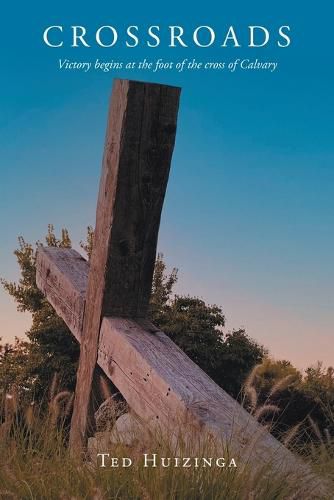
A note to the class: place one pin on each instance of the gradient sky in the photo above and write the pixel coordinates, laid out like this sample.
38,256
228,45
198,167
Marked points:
248,216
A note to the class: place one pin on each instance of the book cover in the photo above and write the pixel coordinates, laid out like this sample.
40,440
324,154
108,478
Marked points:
167,190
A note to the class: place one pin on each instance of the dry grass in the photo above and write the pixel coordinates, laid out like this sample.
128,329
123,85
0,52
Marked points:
35,462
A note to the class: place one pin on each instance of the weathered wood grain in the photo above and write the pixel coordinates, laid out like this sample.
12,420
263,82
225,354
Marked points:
138,149
67,296
63,276
158,380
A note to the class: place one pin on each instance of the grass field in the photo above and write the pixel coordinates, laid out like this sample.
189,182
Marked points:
35,464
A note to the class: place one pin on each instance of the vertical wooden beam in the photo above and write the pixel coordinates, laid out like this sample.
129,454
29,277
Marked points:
138,150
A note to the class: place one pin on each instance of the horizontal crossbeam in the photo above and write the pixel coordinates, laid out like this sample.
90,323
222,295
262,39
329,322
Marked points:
157,379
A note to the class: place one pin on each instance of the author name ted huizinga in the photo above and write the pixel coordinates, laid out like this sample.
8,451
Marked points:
153,460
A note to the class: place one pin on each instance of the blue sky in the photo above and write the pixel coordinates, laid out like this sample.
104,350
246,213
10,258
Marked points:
249,210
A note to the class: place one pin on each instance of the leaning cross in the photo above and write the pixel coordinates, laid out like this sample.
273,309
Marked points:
138,150
104,303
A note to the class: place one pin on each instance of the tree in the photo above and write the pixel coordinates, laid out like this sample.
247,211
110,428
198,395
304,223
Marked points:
51,349
192,324
238,355
197,328
13,359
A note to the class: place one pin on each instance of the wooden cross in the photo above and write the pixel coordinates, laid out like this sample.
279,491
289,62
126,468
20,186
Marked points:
104,302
